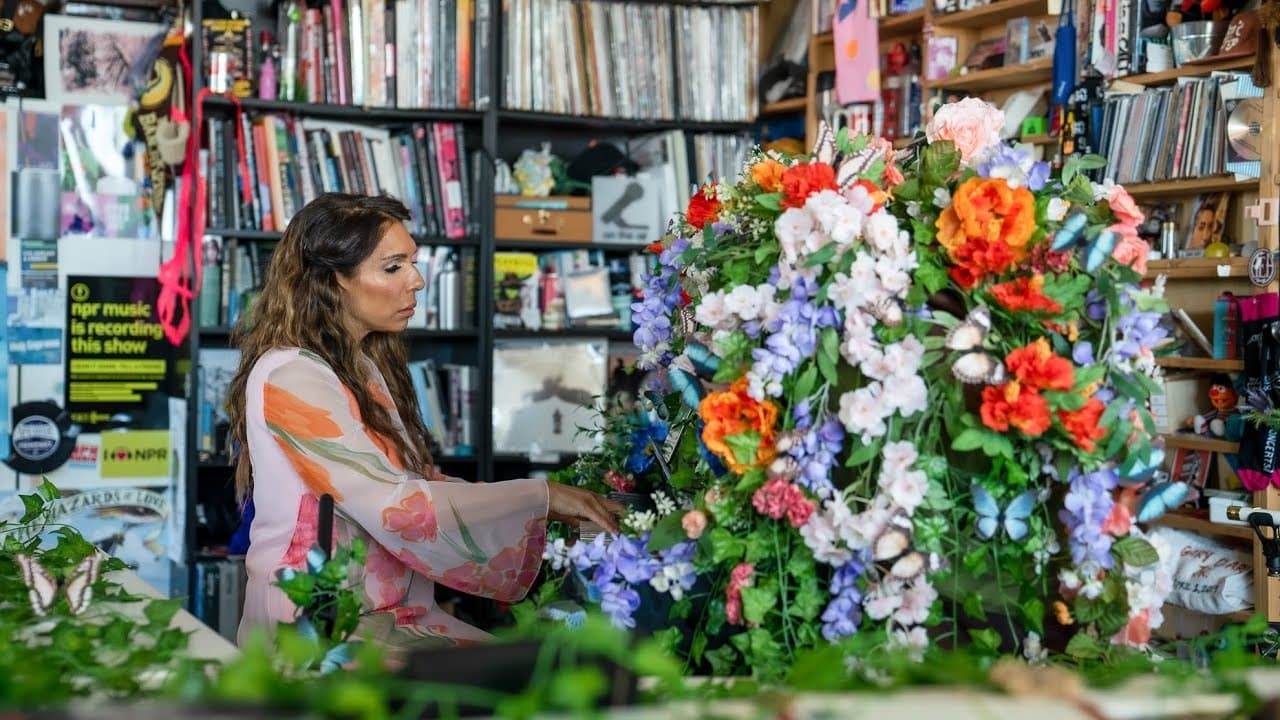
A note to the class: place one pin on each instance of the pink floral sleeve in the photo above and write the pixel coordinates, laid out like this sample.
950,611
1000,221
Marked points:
482,538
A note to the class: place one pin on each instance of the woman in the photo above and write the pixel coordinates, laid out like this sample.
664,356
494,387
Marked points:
323,403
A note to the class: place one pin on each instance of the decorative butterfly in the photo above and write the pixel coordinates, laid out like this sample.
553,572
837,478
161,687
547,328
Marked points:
564,611
893,547
1096,251
687,371
975,365
1161,498
42,588
336,656
1138,468
1013,518
825,150
888,311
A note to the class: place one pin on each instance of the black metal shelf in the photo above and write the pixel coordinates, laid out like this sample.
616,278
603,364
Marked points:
224,331
348,112
533,119
612,334
552,245
268,236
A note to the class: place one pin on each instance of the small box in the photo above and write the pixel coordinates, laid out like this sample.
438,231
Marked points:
1182,398
557,218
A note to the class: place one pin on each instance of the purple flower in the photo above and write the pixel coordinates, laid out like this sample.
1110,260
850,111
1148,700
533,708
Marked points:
659,299
1016,167
793,338
620,603
1136,330
842,615
1082,353
1086,507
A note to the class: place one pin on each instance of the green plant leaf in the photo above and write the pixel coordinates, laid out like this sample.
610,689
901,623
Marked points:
1085,647
770,201
938,162
725,547
744,446
1033,614
973,606
825,253
805,383
861,454
829,355
666,533
751,480
1135,552
758,602
985,639
970,439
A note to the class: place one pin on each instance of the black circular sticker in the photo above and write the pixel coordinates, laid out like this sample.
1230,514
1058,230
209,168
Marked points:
1262,267
41,440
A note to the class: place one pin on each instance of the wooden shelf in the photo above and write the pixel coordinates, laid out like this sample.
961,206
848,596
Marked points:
1039,139
1195,363
1240,616
900,143
1199,268
270,236
567,245
1186,521
347,112
1199,442
995,13
785,107
1190,186
1036,71
905,24
1165,77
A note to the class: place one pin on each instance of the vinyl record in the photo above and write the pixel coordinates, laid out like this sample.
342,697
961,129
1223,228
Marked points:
1244,130
42,438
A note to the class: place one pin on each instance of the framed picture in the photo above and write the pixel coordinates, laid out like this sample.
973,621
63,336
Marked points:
1208,219
1191,467
101,62
546,395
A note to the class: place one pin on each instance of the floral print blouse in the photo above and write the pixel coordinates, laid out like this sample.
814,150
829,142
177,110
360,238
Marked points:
306,438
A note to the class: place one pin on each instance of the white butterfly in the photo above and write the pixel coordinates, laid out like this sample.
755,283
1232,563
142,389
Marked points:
975,365
824,150
893,547
43,588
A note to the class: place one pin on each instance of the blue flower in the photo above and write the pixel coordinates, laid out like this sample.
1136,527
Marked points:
648,435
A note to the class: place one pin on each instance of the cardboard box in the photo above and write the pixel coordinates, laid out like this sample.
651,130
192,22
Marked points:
553,219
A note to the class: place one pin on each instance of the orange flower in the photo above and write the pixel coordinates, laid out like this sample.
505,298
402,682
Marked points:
768,174
801,181
996,217
1014,405
1025,294
703,208
731,412
379,441
291,414
414,519
1039,368
1083,424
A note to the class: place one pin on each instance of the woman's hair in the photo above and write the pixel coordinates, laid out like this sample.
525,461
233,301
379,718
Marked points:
301,305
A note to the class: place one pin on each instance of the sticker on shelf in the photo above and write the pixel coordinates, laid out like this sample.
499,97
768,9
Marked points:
1224,271
1262,267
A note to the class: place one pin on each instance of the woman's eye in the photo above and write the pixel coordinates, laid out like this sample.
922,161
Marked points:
392,269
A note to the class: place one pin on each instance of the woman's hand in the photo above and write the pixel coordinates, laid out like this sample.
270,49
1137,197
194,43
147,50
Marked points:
571,505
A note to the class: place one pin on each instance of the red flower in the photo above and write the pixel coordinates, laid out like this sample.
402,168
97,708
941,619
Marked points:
1015,405
1025,294
703,208
1083,424
654,247
801,181
414,519
1037,366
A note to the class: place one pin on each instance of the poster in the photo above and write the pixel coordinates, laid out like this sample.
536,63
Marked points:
120,368
857,44
103,176
130,523
36,310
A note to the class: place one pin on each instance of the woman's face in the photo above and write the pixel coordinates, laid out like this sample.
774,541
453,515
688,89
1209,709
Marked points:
379,296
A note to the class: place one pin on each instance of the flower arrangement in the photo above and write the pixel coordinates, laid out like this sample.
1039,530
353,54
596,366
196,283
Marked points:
906,404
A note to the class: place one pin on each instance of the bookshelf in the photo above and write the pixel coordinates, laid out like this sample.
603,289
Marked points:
496,129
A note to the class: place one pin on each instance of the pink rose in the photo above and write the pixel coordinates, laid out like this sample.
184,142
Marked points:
619,482
972,124
694,522
1130,250
1137,633
1123,207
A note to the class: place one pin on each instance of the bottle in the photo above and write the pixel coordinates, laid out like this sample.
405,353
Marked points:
1168,239
267,73
450,315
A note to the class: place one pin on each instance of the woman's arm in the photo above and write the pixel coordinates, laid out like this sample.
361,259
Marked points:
481,538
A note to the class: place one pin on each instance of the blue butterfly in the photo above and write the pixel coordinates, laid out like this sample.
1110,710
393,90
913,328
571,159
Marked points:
1161,498
1096,251
565,611
846,8
337,656
1138,468
1013,517
687,371
315,561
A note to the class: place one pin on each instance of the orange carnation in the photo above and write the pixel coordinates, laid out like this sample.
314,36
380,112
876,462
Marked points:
801,181
768,174
1037,366
704,207
1083,424
987,228
1025,294
1014,405
731,412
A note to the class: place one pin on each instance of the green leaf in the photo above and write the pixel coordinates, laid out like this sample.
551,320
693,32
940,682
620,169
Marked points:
770,201
723,660
861,454
757,602
666,533
763,252
973,606
829,355
985,639
809,599
938,162
577,688
744,446
805,384
724,546
907,190
1135,552
1085,647
825,253
1033,614
970,439
160,612
753,479
1079,163
1086,611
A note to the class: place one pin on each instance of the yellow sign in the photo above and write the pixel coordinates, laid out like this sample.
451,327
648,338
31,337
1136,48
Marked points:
135,454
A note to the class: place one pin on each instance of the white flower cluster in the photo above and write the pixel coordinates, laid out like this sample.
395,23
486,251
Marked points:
896,385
